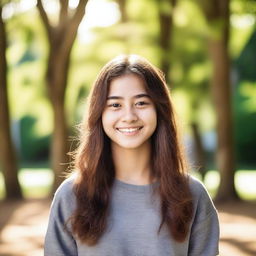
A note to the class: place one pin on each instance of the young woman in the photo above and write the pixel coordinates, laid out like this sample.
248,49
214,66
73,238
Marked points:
131,195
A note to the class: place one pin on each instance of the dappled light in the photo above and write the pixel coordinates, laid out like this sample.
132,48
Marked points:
50,54
24,228
238,229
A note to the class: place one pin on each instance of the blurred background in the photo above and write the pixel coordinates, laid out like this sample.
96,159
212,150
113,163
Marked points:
50,53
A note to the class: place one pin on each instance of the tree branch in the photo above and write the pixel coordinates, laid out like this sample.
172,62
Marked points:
63,11
79,13
45,19
3,64
210,8
74,22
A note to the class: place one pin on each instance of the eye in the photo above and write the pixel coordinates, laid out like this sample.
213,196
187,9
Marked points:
114,105
141,103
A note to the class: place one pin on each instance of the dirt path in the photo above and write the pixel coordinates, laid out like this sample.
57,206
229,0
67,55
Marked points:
238,229
23,225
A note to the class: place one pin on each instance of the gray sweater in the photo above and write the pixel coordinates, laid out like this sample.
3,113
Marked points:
133,225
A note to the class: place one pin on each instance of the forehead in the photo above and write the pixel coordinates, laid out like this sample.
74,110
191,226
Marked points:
128,84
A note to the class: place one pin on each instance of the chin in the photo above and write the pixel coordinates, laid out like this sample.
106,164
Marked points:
132,146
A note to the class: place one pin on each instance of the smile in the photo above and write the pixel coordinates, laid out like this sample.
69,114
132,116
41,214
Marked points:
129,130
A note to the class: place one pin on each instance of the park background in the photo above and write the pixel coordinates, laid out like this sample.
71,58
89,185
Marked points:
50,54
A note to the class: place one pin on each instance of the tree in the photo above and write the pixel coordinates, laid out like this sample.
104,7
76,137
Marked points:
217,14
7,151
61,38
165,16
172,44
122,7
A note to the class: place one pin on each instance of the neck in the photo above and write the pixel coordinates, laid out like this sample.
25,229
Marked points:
132,165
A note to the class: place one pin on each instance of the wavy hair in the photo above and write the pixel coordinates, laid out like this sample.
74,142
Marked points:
94,163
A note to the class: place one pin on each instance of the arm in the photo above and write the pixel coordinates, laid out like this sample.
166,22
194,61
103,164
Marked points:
59,240
204,237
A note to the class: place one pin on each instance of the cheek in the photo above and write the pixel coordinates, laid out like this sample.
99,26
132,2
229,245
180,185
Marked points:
108,120
104,119
150,117
154,120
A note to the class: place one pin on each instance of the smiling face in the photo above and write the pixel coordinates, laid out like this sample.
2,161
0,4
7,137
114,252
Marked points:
129,117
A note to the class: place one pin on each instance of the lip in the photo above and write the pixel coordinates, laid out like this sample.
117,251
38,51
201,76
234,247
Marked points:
129,130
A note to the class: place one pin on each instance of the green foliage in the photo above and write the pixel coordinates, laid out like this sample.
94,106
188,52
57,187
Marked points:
190,70
246,63
32,147
242,21
245,104
245,123
243,6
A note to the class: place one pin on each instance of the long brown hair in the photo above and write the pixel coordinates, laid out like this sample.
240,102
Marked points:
94,164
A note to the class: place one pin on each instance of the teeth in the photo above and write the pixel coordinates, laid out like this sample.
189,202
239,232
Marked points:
128,130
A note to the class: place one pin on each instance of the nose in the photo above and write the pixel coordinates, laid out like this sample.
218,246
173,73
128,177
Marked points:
129,115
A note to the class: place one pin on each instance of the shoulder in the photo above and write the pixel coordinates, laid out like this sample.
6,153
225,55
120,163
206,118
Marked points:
59,239
204,236
203,204
64,200
66,189
197,188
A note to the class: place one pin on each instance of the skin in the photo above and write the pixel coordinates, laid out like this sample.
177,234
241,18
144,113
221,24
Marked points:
129,120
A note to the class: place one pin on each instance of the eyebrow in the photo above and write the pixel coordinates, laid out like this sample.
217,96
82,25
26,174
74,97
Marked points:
136,97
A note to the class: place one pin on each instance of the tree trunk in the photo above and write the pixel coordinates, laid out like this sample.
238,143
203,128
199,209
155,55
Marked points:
61,38
7,151
165,14
122,7
221,89
57,75
59,147
217,13
199,150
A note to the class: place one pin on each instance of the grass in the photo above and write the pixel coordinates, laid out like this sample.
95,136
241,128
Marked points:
244,183
36,183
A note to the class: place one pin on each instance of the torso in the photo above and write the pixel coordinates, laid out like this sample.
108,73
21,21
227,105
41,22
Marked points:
133,225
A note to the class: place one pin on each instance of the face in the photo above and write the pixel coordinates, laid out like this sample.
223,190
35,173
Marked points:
129,118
